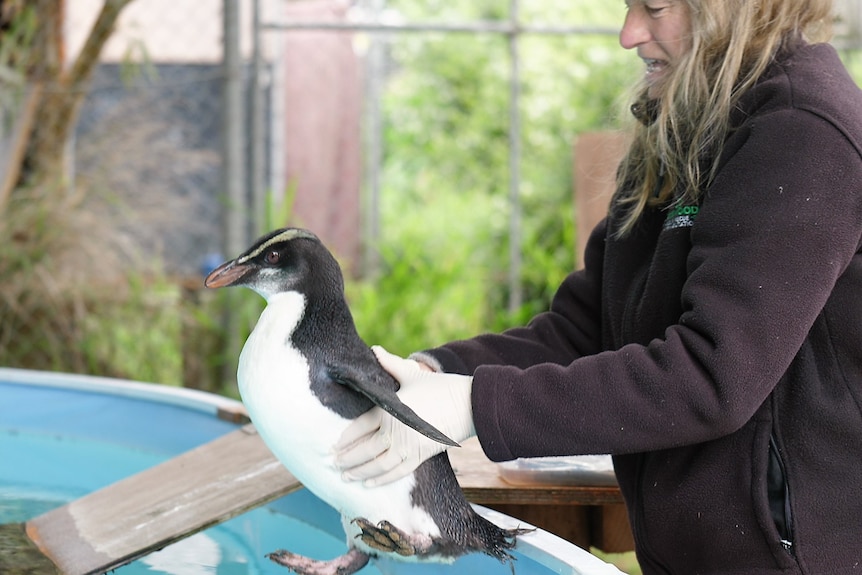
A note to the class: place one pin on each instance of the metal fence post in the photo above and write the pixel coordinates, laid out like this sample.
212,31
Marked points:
516,295
256,129
374,146
232,162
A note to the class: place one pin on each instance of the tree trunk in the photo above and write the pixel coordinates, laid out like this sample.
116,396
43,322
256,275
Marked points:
60,91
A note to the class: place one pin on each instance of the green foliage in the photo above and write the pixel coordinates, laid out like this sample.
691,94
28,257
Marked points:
14,58
626,562
15,40
574,12
430,287
70,302
136,62
124,332
446,124
445,180
853,60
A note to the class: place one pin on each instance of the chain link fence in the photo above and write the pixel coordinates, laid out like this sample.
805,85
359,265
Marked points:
196,132
151,127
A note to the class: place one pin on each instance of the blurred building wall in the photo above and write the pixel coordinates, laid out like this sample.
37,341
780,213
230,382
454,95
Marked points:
322,98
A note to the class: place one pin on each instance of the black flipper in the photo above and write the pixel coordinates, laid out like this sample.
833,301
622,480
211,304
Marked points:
387,399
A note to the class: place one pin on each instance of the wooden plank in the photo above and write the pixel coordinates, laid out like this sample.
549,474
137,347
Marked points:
480,480
128,519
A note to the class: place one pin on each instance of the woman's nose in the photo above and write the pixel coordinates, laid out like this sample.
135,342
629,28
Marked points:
634,31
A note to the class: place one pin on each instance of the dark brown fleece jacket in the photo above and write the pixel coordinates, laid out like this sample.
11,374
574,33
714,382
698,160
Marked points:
716,352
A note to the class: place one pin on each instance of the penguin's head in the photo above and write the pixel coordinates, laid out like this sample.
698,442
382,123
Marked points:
286,260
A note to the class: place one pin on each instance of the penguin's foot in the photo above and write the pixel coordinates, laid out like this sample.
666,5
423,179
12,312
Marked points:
347,564
387,538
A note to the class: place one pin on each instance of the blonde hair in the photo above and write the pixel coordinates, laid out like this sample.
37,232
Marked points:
676,150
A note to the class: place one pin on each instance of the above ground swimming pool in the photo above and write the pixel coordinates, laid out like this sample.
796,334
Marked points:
63,436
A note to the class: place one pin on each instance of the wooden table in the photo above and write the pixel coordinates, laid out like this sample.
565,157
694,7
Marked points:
586,515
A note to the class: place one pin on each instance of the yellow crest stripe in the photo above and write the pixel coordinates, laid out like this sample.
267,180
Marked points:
287,235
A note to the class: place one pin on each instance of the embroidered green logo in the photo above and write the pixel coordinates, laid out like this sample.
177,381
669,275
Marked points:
680,217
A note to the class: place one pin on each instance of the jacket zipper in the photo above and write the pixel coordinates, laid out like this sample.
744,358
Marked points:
784,518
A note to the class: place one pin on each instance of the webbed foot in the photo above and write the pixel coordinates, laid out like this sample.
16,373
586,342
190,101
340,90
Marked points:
387,538
346,564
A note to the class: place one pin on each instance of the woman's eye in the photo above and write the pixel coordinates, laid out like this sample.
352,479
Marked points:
656,8
272,257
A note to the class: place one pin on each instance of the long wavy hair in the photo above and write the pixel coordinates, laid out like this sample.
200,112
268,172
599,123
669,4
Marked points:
676,146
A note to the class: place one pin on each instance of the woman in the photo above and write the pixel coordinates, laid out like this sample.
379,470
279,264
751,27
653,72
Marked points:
713,341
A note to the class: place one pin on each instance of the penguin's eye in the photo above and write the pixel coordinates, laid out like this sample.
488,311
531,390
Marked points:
272,257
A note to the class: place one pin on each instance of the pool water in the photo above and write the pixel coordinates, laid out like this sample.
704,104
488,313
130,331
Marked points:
42,471
64,436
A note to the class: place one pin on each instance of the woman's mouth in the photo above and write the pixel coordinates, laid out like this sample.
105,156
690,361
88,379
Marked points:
654,67
656,70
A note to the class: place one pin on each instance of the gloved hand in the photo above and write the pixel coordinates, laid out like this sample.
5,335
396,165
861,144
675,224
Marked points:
376,448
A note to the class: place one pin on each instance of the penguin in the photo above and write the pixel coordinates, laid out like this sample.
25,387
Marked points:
304,374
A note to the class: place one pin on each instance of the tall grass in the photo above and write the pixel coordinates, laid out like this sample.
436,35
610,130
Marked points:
76,296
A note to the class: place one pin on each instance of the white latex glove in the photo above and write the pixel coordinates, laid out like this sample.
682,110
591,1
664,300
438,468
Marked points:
377,448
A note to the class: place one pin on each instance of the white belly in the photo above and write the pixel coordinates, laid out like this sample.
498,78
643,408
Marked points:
300,431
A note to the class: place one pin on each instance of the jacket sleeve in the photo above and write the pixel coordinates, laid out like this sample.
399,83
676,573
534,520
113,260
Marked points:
776,230
570,329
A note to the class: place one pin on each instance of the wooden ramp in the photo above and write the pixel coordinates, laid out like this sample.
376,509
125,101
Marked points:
145,512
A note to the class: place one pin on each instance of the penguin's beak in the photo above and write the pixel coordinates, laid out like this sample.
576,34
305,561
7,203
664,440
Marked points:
226,274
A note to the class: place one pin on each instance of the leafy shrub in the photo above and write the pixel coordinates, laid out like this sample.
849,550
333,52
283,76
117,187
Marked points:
444,199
